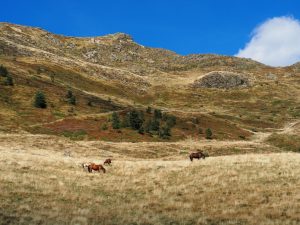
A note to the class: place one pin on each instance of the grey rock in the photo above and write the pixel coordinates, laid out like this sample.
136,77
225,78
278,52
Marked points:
222,79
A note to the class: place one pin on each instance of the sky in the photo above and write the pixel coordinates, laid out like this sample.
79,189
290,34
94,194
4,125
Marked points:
264,30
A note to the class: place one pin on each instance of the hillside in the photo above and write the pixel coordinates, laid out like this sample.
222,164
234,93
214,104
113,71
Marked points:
113,73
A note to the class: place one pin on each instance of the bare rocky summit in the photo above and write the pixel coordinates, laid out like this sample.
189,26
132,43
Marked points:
222,79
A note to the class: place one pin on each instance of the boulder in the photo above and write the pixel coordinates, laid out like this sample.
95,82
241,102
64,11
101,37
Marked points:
222,79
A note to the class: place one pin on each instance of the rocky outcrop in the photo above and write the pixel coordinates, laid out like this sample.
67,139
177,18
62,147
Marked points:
222,79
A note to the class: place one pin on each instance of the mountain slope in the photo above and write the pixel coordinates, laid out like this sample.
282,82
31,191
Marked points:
113,72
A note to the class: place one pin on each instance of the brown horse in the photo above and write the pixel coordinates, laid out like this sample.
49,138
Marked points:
107,161
197,155
96,167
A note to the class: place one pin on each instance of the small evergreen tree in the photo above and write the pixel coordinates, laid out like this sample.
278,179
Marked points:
69,94
157,114
141,130
3,71
40,100
135,120
148,126
154,125
208,133
165,132
9,81
72,100
115,121
149,110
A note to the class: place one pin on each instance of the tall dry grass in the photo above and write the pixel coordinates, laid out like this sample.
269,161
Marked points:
44,186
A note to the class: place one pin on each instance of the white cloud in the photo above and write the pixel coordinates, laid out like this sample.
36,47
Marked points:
276,42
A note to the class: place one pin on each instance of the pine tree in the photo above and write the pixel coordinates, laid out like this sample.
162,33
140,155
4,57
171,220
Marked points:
3,71
9,81
208,133
149,110
157,114
141,130
135,120
115,121
72,100
40,100
165,132
148,126
154,125
69,94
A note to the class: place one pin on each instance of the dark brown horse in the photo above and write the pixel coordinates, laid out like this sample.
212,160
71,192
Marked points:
197,155
96,167
107,161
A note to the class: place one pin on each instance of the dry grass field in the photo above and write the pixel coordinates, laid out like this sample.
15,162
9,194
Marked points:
41,182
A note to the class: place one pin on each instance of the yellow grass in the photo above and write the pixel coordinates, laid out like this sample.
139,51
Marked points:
41,184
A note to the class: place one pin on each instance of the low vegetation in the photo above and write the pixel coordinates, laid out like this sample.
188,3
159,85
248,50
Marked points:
288,142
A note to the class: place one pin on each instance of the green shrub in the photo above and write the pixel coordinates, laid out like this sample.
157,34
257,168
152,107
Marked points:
165,132
72,100
3,71
40,100
285,141
157,114
149,110
9,81
208,133
115,121
135,120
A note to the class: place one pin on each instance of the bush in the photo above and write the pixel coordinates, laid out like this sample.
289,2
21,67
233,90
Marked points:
148,126
40,100
135,120
9,81
208,133
155,125
165,132
69,94
3,71
157,114
141,130
149,110
115,121
72,100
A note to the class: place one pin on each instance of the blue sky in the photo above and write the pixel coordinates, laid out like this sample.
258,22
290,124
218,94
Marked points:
184,26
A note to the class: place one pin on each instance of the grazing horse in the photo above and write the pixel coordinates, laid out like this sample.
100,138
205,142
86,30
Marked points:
197,155
107,161
96,167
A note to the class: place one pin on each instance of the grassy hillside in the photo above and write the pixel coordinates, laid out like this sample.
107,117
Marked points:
113,73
